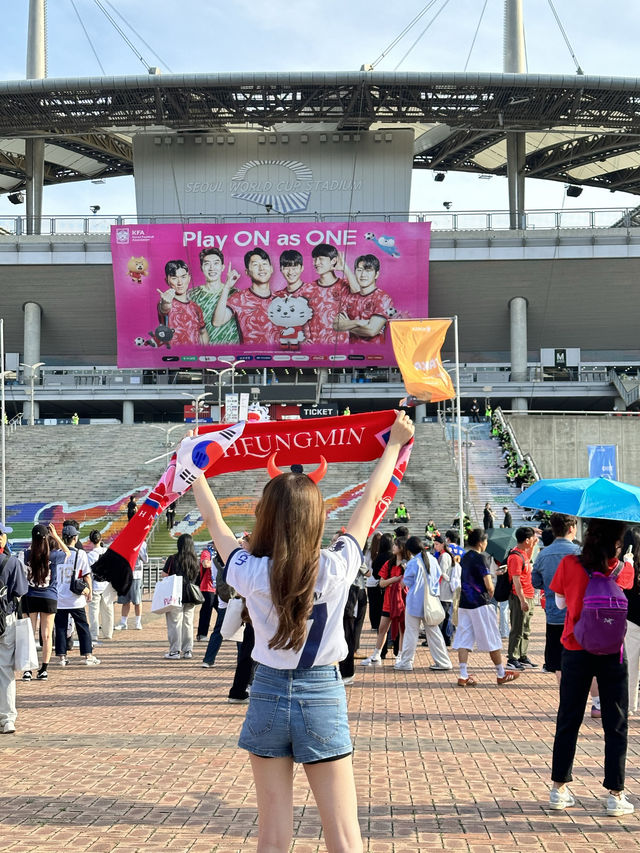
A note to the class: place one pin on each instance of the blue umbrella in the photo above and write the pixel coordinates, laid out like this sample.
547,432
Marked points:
594,497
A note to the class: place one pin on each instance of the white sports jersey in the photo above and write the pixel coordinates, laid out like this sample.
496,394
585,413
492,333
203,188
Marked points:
325,643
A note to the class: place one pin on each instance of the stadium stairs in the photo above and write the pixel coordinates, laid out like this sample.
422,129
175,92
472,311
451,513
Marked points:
487,477
88,472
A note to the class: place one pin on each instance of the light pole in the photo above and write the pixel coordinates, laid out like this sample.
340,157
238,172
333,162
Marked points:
167,432
220,374
32,377
196,402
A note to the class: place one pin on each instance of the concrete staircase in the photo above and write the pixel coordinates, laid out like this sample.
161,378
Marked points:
487,478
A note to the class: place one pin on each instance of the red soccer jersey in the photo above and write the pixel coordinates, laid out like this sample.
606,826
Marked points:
250,311
571,581
359,307
187,321
516,568
327,303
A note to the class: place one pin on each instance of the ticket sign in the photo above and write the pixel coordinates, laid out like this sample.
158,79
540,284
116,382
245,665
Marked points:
273,294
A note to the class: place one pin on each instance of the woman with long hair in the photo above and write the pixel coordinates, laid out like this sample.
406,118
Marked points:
180,621
72,604
393,607
42,596
421,568
296,593
449,571
380,553
601,550
632,638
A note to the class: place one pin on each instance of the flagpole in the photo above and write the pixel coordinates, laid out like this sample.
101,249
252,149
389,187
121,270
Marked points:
459,419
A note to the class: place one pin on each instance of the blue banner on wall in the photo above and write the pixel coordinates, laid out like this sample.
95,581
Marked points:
602,461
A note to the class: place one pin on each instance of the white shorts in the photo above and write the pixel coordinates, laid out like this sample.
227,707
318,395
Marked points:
477,626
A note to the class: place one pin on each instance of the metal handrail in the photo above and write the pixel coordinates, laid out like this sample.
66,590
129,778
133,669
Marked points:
465,220
520,456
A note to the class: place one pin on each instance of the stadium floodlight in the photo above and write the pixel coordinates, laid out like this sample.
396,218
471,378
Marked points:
439,177
16,198
574,191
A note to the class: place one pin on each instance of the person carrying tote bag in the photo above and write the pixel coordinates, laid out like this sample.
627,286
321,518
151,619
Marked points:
180,619
421,578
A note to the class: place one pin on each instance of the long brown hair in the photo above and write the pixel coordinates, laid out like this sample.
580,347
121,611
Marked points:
289,525
39,554
601,543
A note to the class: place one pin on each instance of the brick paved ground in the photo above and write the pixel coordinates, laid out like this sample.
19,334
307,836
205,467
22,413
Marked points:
140,754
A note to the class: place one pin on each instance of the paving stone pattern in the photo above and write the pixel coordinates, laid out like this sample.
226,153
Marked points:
139,754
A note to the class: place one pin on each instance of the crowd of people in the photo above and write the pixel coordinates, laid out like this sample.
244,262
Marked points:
298,609
518,472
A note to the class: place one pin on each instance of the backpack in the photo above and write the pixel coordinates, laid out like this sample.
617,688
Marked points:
602,624
503,584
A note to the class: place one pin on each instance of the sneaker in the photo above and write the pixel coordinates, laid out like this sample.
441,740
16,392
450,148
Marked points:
200,638
91,660
507,677
63,660
405,667
42,675
121,627
187,655
371,661
138,626
172,656
544,669
559,800
435,668
95,642
8,729
596,713
528,664
233,701
469,681
206,665
619,805
26,676
514,665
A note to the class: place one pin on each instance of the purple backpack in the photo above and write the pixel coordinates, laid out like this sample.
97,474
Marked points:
602,624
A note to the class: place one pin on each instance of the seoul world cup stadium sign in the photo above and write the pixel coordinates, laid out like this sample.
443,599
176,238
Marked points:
303,294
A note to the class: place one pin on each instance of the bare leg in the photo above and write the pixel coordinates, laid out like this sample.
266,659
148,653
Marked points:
274,791
496,657
383,630
46,627
334,789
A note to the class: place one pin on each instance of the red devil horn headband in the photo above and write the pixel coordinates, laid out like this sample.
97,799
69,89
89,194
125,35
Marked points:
316,475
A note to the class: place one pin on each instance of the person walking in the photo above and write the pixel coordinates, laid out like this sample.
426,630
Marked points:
103,595
422,568
393,603
488,517
296,593
521,599
171,515
601,550
380,553
13,578
41,600
476,621
446,564
73,604
180,620
208,590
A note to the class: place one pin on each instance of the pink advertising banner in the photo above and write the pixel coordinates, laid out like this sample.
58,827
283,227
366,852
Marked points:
274,294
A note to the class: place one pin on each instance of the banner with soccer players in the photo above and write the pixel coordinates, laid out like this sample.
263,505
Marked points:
306,294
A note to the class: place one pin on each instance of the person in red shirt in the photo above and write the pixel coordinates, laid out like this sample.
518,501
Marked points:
250,307
366,310
328,295
600,553
521,599
394,596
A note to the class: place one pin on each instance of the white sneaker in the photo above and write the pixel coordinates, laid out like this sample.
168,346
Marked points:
8,729
91,660
620,805
121,627
138,626
371,661
62,660
172,656
559,800
407,667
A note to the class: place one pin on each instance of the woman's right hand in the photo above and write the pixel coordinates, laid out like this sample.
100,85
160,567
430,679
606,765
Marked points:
402,429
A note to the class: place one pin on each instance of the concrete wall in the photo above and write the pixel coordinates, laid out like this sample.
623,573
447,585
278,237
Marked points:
558,444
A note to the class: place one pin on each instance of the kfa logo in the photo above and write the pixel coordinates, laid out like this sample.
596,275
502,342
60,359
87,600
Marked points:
122,235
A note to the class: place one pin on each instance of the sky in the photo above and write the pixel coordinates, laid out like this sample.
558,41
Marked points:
325,35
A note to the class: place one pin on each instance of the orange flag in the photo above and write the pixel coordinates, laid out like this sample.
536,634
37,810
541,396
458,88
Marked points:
416,345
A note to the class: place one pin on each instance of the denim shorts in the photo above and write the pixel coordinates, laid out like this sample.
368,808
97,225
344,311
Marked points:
297,713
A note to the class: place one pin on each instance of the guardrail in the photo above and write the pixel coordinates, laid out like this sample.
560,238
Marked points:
465,220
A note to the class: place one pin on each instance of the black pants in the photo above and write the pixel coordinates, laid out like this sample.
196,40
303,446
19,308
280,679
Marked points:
352,626
578,669
206,609
446,626
60,624
375,596
244,665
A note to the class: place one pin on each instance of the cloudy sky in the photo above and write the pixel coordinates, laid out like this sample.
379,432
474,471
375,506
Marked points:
330,35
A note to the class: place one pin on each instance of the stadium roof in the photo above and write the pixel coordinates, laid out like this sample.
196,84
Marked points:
582,130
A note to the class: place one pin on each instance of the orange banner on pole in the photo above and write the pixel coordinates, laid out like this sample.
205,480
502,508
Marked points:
417,345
